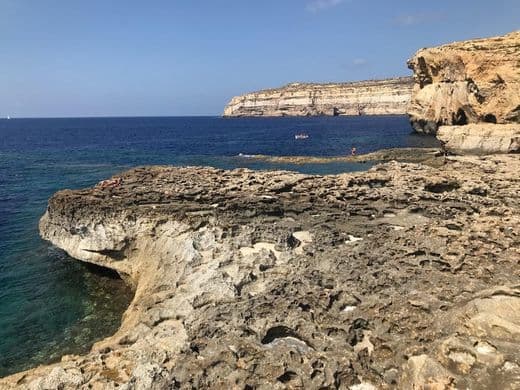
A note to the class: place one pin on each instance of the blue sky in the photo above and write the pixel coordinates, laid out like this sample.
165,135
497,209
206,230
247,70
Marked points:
189,57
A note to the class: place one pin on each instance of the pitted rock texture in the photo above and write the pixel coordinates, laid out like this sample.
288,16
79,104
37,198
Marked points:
405,276
480,138
466,82
376,97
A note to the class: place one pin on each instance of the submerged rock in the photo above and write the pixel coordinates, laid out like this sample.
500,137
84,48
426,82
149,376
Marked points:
250,279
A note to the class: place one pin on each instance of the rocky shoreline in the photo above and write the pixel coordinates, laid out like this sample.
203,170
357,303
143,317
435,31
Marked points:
404,275
422,155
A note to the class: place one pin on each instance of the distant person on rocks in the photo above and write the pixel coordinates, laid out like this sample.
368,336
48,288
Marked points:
110,183
353,151
446,154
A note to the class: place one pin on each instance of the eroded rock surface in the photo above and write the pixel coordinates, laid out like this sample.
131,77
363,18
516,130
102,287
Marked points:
405,276
466,82
480,138
375,97
396,154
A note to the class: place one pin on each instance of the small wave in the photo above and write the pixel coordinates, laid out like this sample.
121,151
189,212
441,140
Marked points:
85,165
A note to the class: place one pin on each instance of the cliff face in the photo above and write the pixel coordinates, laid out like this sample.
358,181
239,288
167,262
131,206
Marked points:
404,276
466,82
377,97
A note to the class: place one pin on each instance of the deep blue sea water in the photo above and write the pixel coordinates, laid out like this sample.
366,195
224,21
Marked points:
50,304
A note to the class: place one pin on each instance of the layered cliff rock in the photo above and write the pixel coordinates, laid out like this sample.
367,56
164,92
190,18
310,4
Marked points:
404,276
466,82
377,97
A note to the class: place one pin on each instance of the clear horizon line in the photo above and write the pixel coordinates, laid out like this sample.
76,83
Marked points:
110,116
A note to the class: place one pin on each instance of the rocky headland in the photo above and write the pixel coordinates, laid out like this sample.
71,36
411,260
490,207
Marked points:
405,276
376,97
473,88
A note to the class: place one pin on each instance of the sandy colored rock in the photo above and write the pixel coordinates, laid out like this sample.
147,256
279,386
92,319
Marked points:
466,82
485,342
401,275
376,97
480,138
423,373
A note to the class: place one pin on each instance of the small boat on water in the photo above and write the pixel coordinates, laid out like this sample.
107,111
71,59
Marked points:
246,155
301,136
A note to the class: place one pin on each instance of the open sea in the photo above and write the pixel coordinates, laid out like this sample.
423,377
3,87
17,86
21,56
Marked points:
50,304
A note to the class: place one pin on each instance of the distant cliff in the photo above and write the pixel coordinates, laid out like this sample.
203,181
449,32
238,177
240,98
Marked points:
466,82
376,97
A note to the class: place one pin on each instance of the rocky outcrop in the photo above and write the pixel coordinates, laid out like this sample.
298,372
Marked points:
466,82
480,138
404,276
422,155
377,97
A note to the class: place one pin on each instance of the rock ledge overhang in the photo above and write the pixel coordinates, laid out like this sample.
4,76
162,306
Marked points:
467,82
401,276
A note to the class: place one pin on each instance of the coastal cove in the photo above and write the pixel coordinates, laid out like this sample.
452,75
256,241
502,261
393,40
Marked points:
53,305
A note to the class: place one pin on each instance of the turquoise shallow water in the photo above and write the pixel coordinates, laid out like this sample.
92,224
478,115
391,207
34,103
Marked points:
50,304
